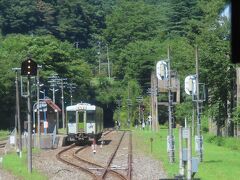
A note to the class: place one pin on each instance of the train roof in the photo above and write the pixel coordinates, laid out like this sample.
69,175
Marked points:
81,107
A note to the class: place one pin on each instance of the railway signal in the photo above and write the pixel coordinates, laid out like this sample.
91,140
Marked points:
29,68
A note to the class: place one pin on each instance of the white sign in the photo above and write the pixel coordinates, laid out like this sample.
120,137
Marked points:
42,106
72,128
12,140
198,143
91,128
185,132
190,84
162,70
45,124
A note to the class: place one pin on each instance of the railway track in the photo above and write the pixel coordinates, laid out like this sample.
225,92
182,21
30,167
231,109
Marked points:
66,156
97,170
2,145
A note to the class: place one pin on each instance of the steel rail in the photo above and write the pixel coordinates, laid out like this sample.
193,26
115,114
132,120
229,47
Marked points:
111,158
95,164
72,164
129,174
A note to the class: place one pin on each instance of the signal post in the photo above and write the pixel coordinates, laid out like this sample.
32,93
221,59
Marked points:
29,68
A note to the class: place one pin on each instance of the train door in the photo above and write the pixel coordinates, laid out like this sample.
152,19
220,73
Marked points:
81,121
91,126
72,126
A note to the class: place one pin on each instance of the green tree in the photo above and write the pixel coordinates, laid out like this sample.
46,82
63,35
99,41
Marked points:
131,21
55,57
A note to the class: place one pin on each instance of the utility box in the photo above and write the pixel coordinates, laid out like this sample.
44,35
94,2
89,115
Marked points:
184,154
195,162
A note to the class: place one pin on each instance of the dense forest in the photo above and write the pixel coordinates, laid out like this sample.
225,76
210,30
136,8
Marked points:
76,39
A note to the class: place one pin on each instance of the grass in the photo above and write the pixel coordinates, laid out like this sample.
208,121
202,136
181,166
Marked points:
228,142
220,163
4,134
18,167
61,131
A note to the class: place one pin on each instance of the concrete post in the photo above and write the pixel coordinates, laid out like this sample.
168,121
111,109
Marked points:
189,155
181,166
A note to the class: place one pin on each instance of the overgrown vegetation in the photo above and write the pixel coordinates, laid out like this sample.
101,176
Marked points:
228,142
219,162
76,38
18,167
4,134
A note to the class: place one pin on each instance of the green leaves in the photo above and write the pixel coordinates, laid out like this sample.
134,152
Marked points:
132,21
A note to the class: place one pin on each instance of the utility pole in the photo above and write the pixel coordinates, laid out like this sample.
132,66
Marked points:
63,111
129,104
199,136
109,73
71,87
17,116
152,92
99,57
154,102
38,104
119,105
53,83
139,100
170,107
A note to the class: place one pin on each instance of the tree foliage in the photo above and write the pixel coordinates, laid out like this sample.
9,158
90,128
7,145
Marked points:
64,37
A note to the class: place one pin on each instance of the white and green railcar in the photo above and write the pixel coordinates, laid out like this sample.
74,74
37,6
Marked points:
84,123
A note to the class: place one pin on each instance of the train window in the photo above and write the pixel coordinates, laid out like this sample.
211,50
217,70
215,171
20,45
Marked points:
80,116
90,116
71,116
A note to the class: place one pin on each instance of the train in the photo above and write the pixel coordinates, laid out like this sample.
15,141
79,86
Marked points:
84,123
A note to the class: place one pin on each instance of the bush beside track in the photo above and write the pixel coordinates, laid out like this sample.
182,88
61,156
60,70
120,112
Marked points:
221,155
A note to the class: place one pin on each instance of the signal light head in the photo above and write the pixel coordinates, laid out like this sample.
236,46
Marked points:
29,68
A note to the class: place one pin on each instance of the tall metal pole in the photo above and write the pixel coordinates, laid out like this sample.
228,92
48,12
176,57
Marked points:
44,114
189,155
38,106
99,57
193,122
18,122
181,165
71,87
153,103
63,112
171,138
54,93
200,153
128,103
156,104
53,81
109,76
29,127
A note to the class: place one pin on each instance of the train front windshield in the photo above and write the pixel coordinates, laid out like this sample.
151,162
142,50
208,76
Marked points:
71,116
91,116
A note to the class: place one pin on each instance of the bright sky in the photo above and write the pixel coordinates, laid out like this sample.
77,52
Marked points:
226,12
